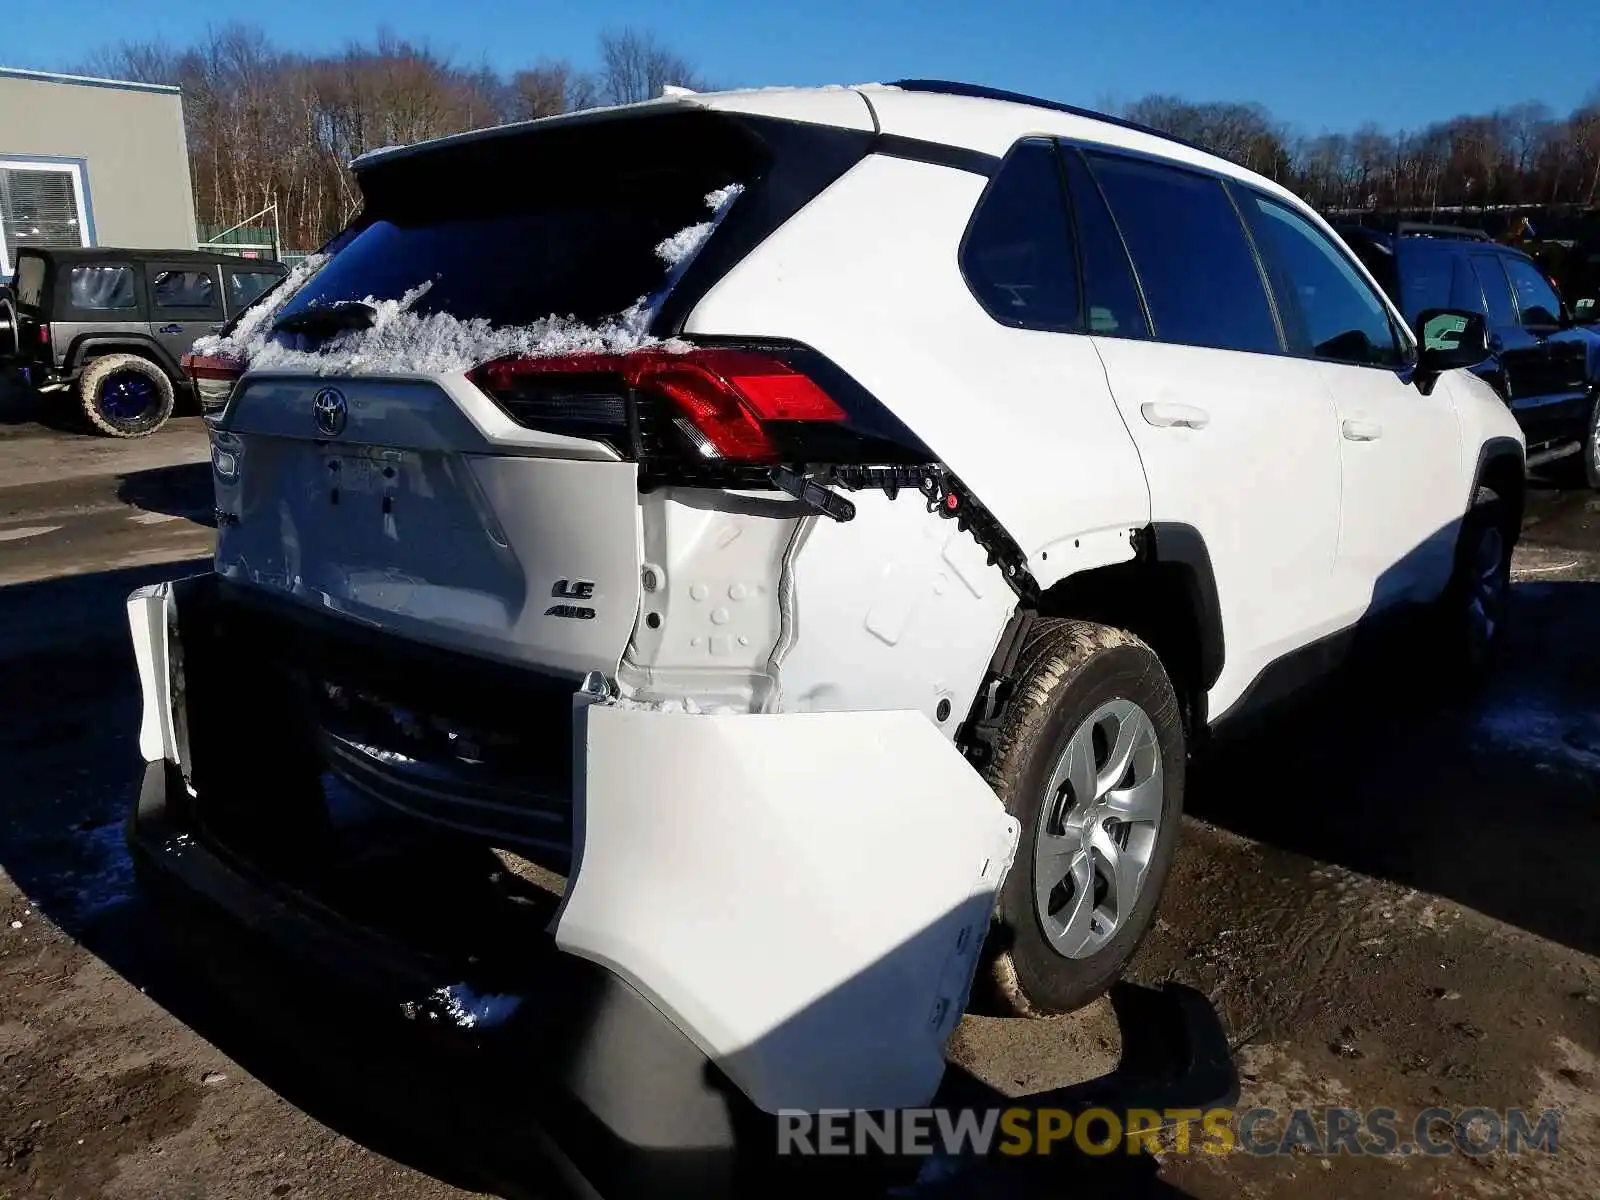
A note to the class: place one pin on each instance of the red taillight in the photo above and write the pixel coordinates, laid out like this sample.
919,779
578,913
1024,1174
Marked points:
722,397
44,335
220,367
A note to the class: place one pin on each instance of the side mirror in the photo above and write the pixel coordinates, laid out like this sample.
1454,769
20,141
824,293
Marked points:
1448,339
1584,311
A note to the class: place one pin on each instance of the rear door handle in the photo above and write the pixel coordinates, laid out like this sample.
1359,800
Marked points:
1361,431
170,329
1183,416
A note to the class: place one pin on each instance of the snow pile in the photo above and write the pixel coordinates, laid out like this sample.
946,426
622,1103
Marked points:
683,245
400,340
251,331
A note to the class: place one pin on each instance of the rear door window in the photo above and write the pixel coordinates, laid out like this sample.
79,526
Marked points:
1536,299
30,281
1196,267
1111,303
1017,256
101,288
184,292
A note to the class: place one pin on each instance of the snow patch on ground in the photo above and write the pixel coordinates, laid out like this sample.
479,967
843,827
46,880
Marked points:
1527,725
104,880
470,1010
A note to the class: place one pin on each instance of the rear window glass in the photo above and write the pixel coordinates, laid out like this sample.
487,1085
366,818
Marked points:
246,287
101,288
1018,256
30,281
513,230
184,289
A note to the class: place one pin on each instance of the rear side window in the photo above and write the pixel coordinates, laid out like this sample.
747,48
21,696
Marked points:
30,281
1017,256
246,287
97,289
183,289
1331,312
1195,264
1496,290
1111,301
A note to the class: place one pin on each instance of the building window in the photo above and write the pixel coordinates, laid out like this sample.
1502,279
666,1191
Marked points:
41,204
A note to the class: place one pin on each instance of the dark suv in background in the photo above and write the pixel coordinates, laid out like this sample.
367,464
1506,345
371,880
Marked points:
1543,362
110,327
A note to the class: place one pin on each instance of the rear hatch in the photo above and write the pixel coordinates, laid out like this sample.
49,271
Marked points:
361,469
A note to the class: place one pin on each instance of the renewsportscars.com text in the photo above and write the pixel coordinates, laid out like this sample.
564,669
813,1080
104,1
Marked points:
1098,1131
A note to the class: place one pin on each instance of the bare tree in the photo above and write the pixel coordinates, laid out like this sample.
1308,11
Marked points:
635,66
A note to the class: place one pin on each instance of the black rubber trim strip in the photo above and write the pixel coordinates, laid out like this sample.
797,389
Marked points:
1176,542
974,162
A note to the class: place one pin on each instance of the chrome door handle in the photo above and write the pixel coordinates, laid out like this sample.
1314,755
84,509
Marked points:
1361,431
1167,416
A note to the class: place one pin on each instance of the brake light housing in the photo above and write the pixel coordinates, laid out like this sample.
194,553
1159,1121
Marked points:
213,376
722,410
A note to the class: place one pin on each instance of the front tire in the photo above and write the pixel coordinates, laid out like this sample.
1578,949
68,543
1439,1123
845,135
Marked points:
1090,759
125,396
1591,445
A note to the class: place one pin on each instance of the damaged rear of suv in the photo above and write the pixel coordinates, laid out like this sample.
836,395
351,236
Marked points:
715,516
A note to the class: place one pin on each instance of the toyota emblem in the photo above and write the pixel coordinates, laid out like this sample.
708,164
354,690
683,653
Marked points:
329,409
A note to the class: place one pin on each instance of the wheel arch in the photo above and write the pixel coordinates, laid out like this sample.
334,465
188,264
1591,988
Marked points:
1166,595
92,346
1501,468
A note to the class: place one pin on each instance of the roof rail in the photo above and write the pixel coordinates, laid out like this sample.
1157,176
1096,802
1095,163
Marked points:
978,92
1424,229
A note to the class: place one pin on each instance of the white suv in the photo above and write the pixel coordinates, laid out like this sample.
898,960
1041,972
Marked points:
820,522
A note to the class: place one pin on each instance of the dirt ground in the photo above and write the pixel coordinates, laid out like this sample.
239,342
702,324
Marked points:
1391,900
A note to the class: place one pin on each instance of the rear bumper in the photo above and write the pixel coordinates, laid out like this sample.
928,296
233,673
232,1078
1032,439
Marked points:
799,900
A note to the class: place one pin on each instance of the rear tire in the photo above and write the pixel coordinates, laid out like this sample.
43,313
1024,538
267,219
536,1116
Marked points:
1477,601
10,335
125,396
1090,759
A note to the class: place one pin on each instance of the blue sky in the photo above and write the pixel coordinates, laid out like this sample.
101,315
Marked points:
1319,66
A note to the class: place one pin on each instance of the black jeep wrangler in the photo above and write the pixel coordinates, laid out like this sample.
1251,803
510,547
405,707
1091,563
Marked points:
111,326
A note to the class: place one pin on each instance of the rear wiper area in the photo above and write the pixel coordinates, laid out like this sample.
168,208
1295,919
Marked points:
324,319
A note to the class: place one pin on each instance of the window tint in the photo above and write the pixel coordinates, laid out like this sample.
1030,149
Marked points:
1195,265
1496,291
30,281
1379,259
1331,311
101,288
1466,293
245,287
1111,301
184,289
1017,256
1536,299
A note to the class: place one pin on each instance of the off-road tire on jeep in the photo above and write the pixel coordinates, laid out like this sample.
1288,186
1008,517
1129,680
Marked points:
1069,672
1476,604
10,335
125,396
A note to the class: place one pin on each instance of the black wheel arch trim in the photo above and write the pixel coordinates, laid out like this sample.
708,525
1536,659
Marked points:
1498,449
125,343
1183,545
